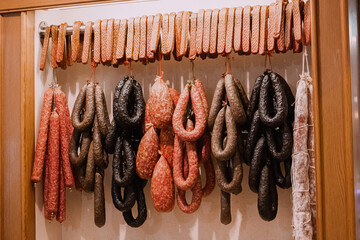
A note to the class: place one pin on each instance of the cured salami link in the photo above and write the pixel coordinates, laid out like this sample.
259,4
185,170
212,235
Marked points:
99,200
155,33
271,23
307,23
42,136
97,41
238,29
192,41
54,163
130,39
255,29
216,102
136,39
114,60
167,136
54,44
246,30
109,39
200,31
120,49
230,30
61,212
75,40
101,160
225,213
162,187
101,111
65,135
111,137
149,53
103,38
206,34
233,96
89,179
221,41
87,42
61,42
264,15
143,36
214,30
210,178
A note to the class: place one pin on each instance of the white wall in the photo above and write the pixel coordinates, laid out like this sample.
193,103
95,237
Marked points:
205,223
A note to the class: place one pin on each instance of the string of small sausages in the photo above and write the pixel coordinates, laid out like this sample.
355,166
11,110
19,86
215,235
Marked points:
269,141
51,160
123,141
227,145
279,27
88,157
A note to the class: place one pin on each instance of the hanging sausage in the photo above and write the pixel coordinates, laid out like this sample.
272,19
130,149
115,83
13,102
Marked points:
52,153
269,141
227,118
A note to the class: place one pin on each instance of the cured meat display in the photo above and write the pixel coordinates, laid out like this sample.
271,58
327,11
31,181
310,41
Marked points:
269,141
51,162
123,140
227,119
87,153
175,140
257,29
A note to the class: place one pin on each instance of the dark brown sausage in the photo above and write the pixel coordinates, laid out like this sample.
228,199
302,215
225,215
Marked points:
216,102
85,97
99,200
90,170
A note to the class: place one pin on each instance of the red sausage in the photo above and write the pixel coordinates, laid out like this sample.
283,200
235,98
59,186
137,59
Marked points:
162,187
60,104
61,214
53,165
42,136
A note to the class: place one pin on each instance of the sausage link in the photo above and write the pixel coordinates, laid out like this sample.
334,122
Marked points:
216,102
143,36
307,23
246,30
99,200
141,206
257,164
254,99
111,137
161,107
47,214
54,43
76,159
90,170
174,95
230,30
234,99
284,146
87,42
265,101
149,25
214,30
201,90
53,150
126,162
252,137
216,140
238,29
61,213
199,31
207,29
196,192
242,94
75,40
122,117
221,174
167,144
263,29
65,135
155,33
100,157
86,97
162,187
199,112
255,29
126,202
42,136
210,178
267,198
97,41
281,180
190,181
192,40
44,48
225,214
101,110
147,154
222,24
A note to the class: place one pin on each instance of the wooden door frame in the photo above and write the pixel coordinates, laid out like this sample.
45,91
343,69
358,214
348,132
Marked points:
332,106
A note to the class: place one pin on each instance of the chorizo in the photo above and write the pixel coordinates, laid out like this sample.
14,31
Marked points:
147,155
162,187
190,181
216,102
61,212
44,48
85,97
65,134
200,118
53,151
174,95
99,200
275,84
42,136
161,107
216,140
196,191
210,178
201,90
